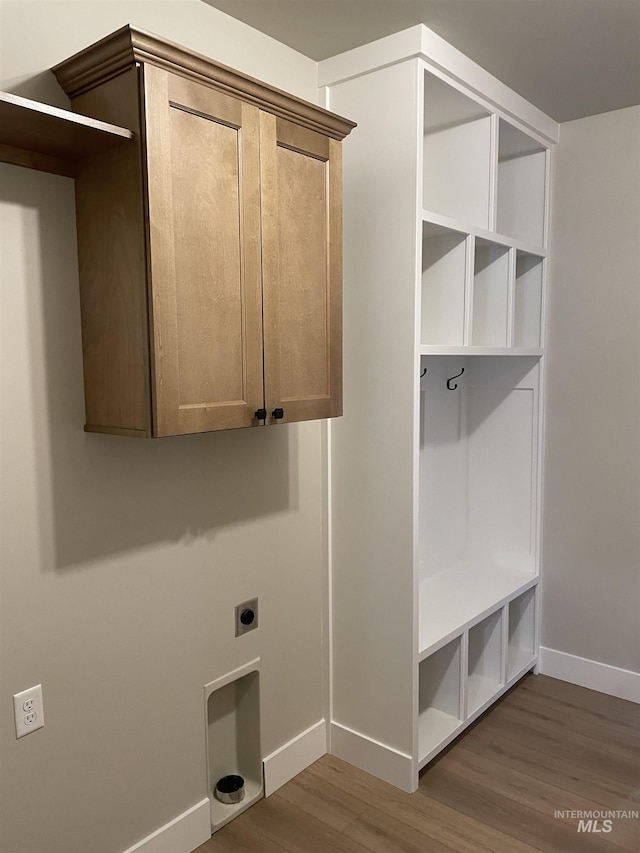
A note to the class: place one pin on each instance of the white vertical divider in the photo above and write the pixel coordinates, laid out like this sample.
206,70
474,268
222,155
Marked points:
493,172
505,644
511,298
419,71
464,674
470,246
536,625
547,199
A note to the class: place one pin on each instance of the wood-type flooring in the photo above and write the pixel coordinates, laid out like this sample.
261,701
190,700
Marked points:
546,747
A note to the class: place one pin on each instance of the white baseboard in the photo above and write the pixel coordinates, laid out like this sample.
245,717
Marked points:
294,757
181,835
373,757
591,673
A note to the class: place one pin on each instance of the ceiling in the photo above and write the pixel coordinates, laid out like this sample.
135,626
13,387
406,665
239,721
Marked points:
571,58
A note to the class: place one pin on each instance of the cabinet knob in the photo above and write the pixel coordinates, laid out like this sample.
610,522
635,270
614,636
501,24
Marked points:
276,414
260,414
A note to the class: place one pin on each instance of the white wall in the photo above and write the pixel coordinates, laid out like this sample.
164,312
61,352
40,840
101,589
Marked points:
122,560
592,471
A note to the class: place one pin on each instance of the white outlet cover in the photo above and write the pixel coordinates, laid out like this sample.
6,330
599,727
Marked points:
28,710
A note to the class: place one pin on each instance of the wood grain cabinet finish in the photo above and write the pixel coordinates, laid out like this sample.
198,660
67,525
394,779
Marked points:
210,251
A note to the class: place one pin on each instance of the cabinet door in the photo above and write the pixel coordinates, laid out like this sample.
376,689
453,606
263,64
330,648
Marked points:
302,270
203,173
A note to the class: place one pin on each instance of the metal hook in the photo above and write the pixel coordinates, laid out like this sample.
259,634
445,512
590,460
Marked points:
449,381
423,373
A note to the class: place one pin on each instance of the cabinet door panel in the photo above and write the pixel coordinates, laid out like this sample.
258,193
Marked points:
204,252
302,269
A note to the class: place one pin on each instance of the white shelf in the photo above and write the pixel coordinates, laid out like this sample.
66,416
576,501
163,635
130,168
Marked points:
466,227
490,312
442,349
485,661
435,730
444,261
439,705
456,153
521,184
529,283
470,592
480,690
521,648
519,660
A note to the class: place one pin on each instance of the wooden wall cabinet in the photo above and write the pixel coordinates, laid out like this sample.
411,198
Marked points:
210,250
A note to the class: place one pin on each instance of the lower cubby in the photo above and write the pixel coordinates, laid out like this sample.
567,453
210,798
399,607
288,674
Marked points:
439,710
461,679
521,643
232,707
484,662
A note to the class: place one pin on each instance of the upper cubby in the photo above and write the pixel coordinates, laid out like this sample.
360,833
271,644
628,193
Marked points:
490,294
456,154
521,186
527,320
443,302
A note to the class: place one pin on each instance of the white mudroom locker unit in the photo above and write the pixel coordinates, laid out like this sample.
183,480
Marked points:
436,465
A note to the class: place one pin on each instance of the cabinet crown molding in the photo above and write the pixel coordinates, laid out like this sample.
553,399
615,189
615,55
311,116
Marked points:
119,51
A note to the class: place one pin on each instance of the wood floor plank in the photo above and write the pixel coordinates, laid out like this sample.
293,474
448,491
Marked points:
568,717
437,821
507,815
609,708
535,755
534,793
241,836
547,746
611,759
296,831
378,832
356,782
315,795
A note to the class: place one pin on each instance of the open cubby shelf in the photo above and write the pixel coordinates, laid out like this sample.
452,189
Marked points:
521,633
499,647
444,264
484,661
456,152
490,311
465,227
528,291
440,713
479,292
522,166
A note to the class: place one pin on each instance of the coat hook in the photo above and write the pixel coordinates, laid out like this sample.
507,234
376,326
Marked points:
449,381
423,373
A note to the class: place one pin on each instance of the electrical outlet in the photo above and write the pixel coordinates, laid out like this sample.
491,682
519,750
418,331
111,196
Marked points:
246,616
28,710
